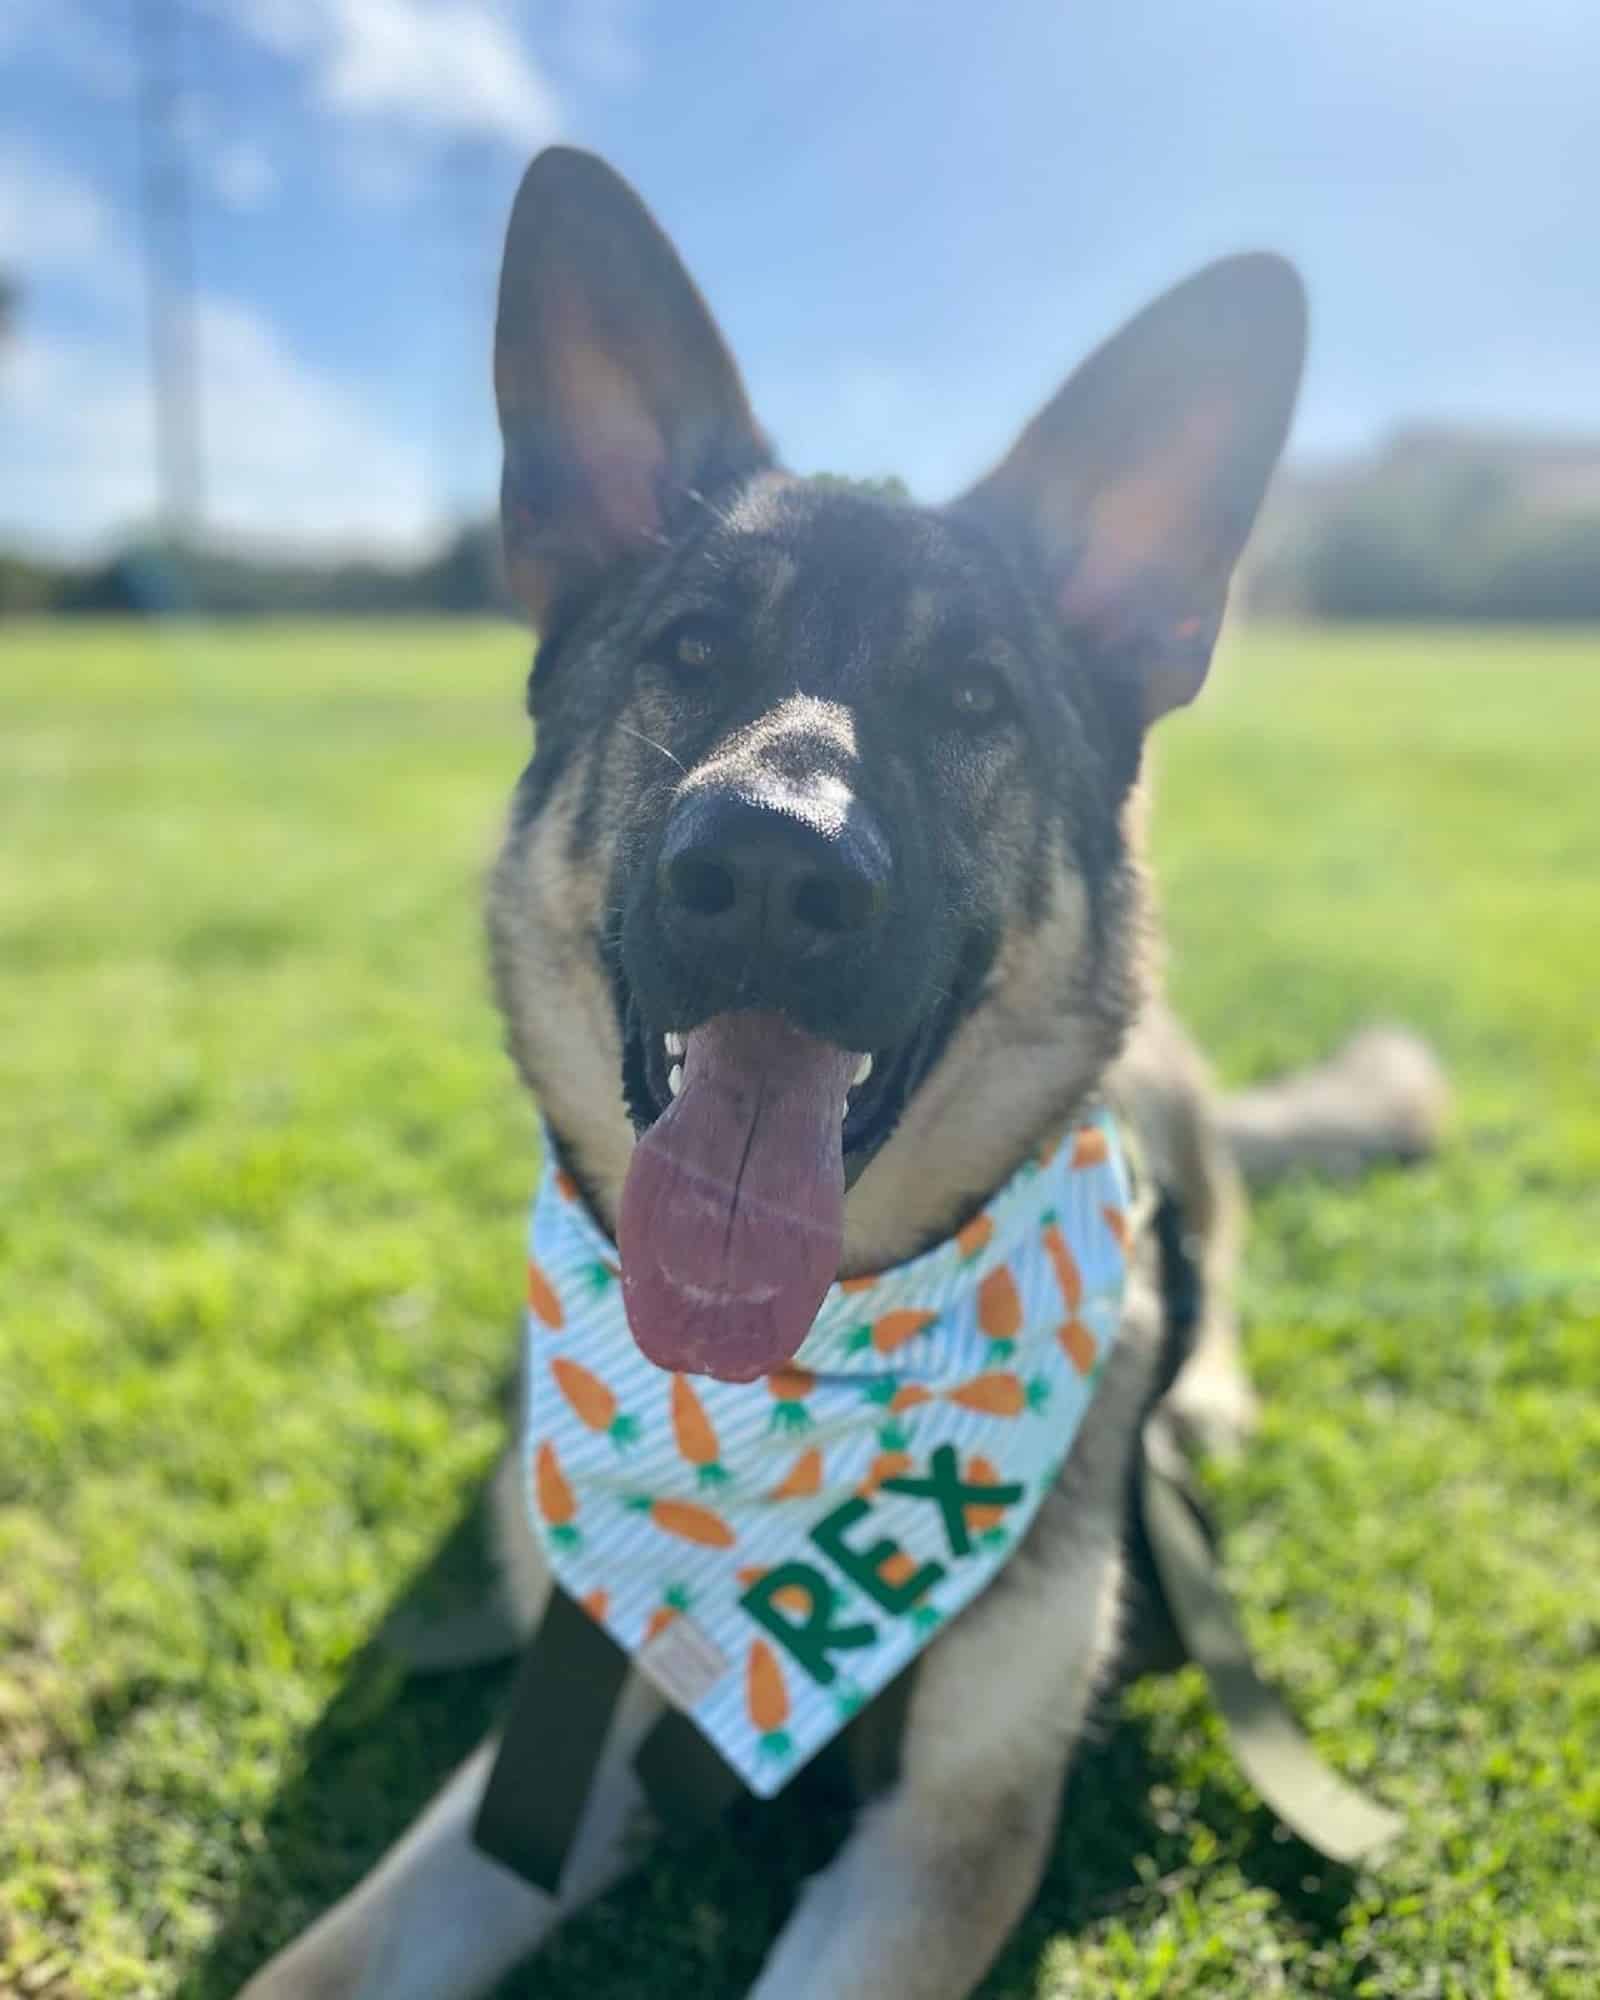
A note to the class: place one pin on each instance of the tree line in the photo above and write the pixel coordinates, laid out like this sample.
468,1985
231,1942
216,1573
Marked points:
1438,526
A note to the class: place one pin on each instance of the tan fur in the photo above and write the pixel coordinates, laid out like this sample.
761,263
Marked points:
560,1020
1013,1069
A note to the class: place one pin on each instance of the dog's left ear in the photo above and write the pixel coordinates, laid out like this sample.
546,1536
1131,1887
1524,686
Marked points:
1135,489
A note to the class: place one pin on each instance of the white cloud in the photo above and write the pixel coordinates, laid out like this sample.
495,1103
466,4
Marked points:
52,224
292,457
446,68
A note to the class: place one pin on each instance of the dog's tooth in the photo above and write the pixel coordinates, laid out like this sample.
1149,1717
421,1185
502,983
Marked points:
863,1071
675,1078
674,1044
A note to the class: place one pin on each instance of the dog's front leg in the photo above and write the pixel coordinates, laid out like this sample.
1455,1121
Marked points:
924,1893
438,1920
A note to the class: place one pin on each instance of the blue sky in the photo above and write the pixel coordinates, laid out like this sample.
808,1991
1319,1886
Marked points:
910,218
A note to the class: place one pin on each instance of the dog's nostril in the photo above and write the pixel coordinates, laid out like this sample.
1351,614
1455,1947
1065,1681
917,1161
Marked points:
704,887
830,903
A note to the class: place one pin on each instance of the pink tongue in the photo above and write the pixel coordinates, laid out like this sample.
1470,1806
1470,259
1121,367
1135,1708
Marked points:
733,1210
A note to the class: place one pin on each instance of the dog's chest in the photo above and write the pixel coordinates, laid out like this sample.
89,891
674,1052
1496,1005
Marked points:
773,1553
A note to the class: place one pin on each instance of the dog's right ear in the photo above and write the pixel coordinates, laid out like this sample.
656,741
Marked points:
618,400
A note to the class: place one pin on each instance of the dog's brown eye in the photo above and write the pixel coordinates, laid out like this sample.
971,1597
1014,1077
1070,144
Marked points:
977,696
694,647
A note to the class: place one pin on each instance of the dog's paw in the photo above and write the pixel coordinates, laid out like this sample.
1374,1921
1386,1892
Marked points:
1212,1408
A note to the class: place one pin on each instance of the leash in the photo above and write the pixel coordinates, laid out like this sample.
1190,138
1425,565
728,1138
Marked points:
1182,1541
572,1674
1313,1801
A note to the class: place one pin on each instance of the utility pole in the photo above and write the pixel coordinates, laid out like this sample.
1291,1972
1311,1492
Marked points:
169,273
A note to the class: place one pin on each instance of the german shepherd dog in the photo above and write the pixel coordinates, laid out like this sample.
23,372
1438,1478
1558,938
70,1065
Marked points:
856,776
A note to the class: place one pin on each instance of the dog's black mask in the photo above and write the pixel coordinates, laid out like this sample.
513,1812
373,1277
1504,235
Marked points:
844,690
848,747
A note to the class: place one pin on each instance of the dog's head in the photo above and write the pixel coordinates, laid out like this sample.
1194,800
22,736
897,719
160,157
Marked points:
817,907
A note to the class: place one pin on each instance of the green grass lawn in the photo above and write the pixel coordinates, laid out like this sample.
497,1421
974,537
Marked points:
262,1174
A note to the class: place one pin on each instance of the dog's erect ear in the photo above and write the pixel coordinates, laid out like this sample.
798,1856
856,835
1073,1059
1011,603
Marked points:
1135,489
617,397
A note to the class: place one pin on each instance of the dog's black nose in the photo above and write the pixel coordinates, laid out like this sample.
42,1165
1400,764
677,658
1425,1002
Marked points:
783,874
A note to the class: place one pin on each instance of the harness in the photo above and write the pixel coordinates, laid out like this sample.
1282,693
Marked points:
765,1660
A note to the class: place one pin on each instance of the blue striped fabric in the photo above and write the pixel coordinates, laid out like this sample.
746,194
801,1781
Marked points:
773,1553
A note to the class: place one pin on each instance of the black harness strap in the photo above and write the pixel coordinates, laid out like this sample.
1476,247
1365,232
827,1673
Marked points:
561,1707
687,1783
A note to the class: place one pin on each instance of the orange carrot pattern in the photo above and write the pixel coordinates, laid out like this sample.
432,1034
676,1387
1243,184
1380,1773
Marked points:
1089,1148
985,1522
686,1520
597,1604
974,1238
1000,1394
1078,1345
802,1480
890,1464
697,1440
542,1299
566,1186
592,1402
767,1699
791,1597
1000,1311
1063,1263
896,1568
790,1388
556,1504
1117,1223
857,1284
891,1331
674,1601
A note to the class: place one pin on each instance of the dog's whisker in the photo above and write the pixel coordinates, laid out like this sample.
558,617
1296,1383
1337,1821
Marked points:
628,730
718,514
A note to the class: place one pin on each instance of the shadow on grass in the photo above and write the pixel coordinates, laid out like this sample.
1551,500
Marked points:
376,1755
701,1916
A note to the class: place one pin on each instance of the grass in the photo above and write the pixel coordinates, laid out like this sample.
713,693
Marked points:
262,1171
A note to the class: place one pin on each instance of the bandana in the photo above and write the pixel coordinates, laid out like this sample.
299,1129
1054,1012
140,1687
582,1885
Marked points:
773,1553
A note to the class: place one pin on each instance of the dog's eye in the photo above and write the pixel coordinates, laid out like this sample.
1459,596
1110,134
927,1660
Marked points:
977,696
693,647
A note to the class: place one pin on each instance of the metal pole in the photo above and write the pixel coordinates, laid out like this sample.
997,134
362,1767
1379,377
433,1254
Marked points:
169,273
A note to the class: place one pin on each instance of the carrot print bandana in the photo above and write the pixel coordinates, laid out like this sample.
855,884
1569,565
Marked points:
772,1553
